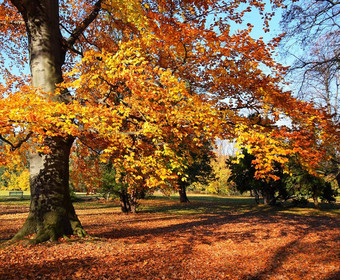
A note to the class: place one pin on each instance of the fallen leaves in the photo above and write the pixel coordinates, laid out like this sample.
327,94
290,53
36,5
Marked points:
217,243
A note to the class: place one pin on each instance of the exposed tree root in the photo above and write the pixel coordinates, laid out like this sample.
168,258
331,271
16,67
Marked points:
53,226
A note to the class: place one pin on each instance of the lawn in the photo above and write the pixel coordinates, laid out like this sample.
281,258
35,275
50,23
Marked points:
210,238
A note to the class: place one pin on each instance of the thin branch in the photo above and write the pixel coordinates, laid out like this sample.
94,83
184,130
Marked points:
71,47
18,145
13,22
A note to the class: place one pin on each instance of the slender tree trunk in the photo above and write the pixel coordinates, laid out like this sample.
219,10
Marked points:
337,178
183,194
316,201
124,201
142,194
133,207
133,202
268,196
51,212
256,196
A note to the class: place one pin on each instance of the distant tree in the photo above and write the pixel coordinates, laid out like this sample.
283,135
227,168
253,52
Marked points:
299,183
14,178
219,184
3,182
114,182
302,183
198,170
19,180
243,175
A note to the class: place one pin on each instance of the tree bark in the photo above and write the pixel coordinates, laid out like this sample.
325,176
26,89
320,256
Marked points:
133,202
255,194
268,194
337,178
183,194
316,201
124,201
51,211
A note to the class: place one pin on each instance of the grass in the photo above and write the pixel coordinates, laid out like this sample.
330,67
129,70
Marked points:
199,203
14,200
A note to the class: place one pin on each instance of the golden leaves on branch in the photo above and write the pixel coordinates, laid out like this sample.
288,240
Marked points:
156,81
155,115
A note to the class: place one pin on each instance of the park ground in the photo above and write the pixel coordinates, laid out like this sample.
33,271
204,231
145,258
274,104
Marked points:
209,238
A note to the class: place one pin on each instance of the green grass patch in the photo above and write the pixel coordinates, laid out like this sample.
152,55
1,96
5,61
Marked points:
310,210
199,204
213,204
14,200
95,204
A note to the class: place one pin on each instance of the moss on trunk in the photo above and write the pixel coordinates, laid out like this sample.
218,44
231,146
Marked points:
52,214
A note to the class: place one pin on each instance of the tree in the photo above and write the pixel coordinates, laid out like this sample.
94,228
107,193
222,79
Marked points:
243,175
51,211
18,180
302,183
114,183
295,183
219,184
198,170
127,81
3,181
314,27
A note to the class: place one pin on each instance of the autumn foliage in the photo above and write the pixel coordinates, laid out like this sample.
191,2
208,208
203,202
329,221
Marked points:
157,77
140,84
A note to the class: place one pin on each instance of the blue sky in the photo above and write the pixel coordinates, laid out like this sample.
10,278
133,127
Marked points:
255,19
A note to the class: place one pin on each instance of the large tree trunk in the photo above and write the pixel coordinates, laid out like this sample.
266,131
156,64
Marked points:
128,202
51,212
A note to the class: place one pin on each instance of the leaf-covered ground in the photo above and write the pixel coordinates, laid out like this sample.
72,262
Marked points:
208,239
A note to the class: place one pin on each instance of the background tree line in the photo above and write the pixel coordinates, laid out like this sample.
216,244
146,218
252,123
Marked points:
211,173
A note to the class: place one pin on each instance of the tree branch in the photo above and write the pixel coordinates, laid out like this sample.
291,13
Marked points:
18,145
13,22
84,24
